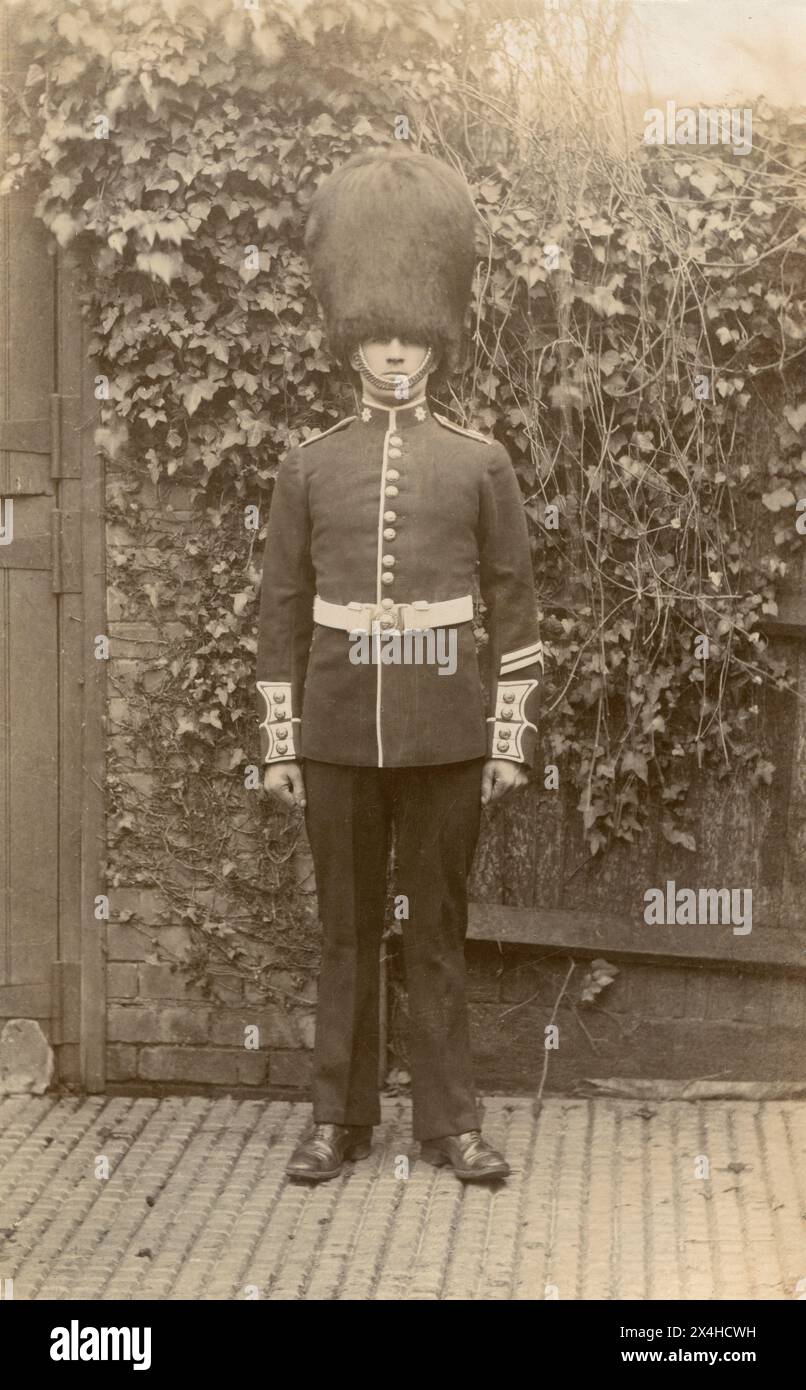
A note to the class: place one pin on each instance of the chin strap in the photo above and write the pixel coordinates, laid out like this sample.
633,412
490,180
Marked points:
403,385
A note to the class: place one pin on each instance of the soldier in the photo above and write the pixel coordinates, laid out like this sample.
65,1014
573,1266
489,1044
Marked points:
383,524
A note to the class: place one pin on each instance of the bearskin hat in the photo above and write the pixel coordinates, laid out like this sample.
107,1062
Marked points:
390,239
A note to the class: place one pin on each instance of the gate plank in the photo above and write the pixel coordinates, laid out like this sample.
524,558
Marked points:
596,934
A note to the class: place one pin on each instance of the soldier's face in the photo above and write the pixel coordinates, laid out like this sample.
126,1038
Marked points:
393,360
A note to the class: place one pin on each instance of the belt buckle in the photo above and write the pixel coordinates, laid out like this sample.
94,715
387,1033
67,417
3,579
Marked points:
387,619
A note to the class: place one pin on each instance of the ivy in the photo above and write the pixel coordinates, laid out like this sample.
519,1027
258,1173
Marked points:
638,343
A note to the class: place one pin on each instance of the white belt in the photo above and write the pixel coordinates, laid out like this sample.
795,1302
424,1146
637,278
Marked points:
417,616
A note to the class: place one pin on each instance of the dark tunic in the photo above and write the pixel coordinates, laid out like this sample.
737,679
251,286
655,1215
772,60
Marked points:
398,506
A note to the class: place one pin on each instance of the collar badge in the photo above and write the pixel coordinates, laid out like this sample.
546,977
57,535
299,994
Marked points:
366,415
419,413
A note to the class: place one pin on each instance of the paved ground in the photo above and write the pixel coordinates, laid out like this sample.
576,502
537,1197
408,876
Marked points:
607,1201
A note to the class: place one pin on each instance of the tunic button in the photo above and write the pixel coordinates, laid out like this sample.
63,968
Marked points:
389,534
387,603
388,578
387,623
503,747
388,560
278,697
391,492
393,475
394,453
390,516
395,439
506,714
509,697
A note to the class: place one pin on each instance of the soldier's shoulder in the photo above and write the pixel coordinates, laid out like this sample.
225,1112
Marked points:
326,434
449,424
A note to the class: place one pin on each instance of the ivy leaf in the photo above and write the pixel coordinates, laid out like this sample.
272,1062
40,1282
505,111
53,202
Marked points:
323,125
706,182
796,416
677,837
763,772
600,974
603,300
65,228
532,274
633,761
165,265
781,497
187,166
194,392
609,361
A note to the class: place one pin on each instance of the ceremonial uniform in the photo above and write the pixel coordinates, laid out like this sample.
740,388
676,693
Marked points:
395,512
390,523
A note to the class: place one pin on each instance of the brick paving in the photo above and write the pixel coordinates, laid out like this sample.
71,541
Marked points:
607,1200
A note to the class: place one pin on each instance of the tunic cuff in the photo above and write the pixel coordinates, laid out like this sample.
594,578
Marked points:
509,733
277,727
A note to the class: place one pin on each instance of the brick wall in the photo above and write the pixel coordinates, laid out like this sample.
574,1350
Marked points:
160,1027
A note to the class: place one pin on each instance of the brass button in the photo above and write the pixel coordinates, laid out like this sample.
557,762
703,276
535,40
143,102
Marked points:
509,698
387,603
388,560
387,623
391,492
503,747
395,439
394,453
387,579
390,516
278,697
392,474
506,714
389,534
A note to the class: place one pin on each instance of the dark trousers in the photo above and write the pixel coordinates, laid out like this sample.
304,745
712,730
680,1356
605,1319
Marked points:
351,815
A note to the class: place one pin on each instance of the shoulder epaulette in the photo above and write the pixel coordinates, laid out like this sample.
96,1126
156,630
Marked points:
314,438
460,429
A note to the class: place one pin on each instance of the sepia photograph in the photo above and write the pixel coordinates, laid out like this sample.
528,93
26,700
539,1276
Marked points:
402,667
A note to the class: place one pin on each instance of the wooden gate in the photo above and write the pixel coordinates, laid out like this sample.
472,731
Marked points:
51,687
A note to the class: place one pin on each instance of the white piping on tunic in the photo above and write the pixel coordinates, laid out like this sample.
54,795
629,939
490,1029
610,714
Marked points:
390,429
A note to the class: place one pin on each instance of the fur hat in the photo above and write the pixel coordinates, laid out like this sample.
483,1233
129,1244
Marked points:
390,239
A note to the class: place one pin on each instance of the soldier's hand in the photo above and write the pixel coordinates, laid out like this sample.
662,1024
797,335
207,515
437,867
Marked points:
285,781
499,777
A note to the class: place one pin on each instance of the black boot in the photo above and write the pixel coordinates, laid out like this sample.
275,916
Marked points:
471,1157
321,1153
